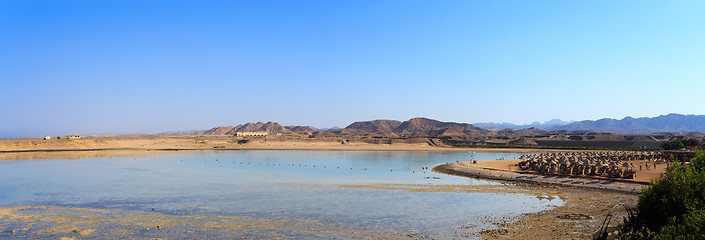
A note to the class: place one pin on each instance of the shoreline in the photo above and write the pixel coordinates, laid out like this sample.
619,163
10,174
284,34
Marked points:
567,181
233,143
31,154
114,152
304,148
19,149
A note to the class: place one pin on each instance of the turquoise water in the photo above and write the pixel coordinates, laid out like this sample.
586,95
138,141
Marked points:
271,184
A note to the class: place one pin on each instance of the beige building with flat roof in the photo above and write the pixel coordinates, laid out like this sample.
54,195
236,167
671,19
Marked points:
251,134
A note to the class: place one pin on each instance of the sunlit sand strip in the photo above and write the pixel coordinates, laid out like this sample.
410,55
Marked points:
441,188
79,154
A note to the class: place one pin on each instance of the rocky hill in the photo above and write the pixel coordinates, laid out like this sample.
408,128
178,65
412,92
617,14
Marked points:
376,126
629,125
416,127
301,129
216,131
429,127
269,127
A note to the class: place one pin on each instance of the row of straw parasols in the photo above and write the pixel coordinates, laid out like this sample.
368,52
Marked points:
582,163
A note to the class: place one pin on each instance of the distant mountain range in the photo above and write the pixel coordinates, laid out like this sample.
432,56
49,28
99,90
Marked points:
420,126
628,125
412,127
545,125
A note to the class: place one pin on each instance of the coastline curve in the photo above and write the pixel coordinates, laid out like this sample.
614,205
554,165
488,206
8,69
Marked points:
569,181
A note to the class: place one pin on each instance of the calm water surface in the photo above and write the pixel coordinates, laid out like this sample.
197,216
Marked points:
271,184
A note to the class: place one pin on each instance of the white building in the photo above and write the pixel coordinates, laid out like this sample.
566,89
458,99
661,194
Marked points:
251,134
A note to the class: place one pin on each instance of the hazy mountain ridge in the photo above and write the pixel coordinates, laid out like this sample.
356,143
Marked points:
504,125
521,132
685,125
665,123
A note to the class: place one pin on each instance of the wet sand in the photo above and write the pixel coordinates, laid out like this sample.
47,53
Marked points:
587,200
50,222
579,217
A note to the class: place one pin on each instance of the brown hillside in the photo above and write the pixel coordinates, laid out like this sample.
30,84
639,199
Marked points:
376,126
216,131
425,126
269,127
451,131
301,129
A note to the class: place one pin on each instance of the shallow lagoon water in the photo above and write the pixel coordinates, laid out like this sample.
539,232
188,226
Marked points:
273,185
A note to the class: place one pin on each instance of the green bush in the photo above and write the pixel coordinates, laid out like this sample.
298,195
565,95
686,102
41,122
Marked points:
672,145
690,142
673,207
691,228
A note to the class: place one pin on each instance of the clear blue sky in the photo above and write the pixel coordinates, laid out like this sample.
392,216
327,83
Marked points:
85,67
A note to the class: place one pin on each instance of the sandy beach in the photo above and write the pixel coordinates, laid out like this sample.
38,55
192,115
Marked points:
36,148
643,176
509,170
568,181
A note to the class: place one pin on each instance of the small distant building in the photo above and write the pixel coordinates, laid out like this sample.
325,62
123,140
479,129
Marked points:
72,137
47,137
251,134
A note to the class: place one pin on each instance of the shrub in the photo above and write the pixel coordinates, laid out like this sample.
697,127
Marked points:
692,227
673,207
673,145
691,142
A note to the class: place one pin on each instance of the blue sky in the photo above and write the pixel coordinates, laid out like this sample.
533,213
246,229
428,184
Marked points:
85,67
